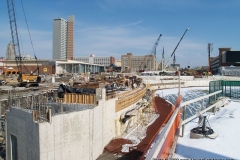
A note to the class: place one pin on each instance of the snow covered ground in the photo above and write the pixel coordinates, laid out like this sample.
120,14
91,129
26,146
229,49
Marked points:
225,123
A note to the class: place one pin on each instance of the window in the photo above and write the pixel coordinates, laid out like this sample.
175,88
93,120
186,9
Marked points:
14,153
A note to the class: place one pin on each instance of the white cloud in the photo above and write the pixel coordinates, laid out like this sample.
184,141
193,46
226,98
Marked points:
117,41
113,41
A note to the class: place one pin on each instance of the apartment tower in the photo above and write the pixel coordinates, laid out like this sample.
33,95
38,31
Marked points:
63,32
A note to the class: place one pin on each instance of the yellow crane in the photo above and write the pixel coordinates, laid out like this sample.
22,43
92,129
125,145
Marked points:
24,79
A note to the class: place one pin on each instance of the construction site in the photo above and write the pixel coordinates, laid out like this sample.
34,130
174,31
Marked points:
66,109
88,115
98,99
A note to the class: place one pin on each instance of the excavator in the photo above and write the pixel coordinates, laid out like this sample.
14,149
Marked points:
24,79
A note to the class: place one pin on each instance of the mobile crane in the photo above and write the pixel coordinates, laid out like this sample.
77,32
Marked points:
153,52
173,53
24,79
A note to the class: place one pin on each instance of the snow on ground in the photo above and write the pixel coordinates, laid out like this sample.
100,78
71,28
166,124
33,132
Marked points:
225,123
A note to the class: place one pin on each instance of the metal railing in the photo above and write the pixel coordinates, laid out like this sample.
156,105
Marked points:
229,89
153,153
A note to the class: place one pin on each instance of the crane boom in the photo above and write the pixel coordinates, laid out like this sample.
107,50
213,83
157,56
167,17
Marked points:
23,79
155,46
14,33
153,51
173,53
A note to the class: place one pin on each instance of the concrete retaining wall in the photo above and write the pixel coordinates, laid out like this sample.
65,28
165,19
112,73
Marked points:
164,84
19,124
75,135
166,77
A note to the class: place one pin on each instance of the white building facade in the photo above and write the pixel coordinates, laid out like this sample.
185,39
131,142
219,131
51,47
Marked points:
92,59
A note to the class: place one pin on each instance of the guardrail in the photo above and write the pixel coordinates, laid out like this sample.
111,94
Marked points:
157,150
184,106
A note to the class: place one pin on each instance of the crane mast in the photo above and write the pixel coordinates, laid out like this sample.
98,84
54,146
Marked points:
153,51
14,33
23,79
173,53
155,46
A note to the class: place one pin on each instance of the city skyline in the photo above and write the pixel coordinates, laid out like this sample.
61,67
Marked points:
106,28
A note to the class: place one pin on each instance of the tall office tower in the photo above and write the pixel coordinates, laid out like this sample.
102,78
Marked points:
63,38
70,29
10,55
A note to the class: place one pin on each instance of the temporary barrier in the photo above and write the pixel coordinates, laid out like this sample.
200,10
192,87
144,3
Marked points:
173,125
229,89
78,98
164,142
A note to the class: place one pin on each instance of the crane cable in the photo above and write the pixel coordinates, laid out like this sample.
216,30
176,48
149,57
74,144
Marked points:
29,32
20,39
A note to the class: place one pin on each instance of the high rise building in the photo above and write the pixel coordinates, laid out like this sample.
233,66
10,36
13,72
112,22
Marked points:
70,29
10,55
63,33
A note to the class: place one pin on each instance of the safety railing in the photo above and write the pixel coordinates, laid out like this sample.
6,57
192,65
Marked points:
165,143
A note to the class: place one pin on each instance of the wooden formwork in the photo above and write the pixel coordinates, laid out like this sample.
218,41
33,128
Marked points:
79,98
129,98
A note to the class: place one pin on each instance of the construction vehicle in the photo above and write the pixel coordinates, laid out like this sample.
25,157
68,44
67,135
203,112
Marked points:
196,72
153,52
173,53
24,79
113,68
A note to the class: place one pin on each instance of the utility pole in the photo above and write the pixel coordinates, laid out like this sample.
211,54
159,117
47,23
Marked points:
210,49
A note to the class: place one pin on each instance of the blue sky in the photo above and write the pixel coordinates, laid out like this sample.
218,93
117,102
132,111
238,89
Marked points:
117,27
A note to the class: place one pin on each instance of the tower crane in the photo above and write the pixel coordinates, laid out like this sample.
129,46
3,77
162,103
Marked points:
153,51
173,53
23,78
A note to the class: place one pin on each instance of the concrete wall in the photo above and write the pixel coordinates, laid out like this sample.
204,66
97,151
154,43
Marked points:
75,135
163,84
68,136
118,126
108,119
78,135
20,124
166,77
